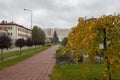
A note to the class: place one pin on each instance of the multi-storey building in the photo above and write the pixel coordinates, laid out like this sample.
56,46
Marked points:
61,33
15,31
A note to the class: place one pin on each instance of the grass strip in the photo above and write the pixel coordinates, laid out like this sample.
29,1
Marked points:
14,53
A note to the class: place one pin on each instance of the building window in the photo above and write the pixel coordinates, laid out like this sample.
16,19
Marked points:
18,29
8,28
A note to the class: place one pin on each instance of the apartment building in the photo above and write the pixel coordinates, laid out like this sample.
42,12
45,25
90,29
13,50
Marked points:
61,33
15,31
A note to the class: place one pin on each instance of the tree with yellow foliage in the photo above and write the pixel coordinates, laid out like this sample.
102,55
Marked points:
85,38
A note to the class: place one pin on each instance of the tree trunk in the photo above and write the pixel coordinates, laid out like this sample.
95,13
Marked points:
1,54
105,48
20,51
100,58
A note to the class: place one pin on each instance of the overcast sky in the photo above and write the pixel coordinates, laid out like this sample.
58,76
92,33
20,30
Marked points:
55,13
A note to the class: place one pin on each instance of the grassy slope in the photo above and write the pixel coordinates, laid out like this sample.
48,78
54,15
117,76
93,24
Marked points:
74,72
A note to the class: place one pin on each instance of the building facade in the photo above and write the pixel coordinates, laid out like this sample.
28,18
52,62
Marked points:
61,33
15,31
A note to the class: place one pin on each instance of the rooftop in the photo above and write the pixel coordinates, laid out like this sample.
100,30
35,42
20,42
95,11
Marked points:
12,23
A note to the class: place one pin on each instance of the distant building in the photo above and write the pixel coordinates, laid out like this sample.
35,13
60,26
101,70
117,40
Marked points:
14,31
61,33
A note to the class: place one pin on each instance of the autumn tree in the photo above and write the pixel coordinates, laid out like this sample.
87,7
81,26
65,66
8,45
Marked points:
5,42
86,37
109,31
64,41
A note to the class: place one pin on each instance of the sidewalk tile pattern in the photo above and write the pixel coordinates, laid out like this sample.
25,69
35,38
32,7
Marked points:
37,67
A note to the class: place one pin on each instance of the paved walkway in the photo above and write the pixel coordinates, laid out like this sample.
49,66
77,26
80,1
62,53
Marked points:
37,67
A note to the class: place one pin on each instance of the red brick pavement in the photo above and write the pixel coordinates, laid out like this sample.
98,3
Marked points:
37,67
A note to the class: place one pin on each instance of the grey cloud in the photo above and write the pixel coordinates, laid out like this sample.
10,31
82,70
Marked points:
55,13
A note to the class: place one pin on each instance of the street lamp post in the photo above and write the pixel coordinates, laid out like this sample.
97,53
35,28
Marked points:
31,18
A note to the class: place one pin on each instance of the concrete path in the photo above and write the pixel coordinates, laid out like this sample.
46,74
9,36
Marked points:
37,67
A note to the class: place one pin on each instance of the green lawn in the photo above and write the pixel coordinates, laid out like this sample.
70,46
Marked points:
14,53
74,72
22,57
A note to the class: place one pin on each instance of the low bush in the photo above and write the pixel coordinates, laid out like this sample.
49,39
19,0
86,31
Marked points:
63,58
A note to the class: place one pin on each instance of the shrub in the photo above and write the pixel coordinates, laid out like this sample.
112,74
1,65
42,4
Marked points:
20,43
29,42
63,58
5,42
